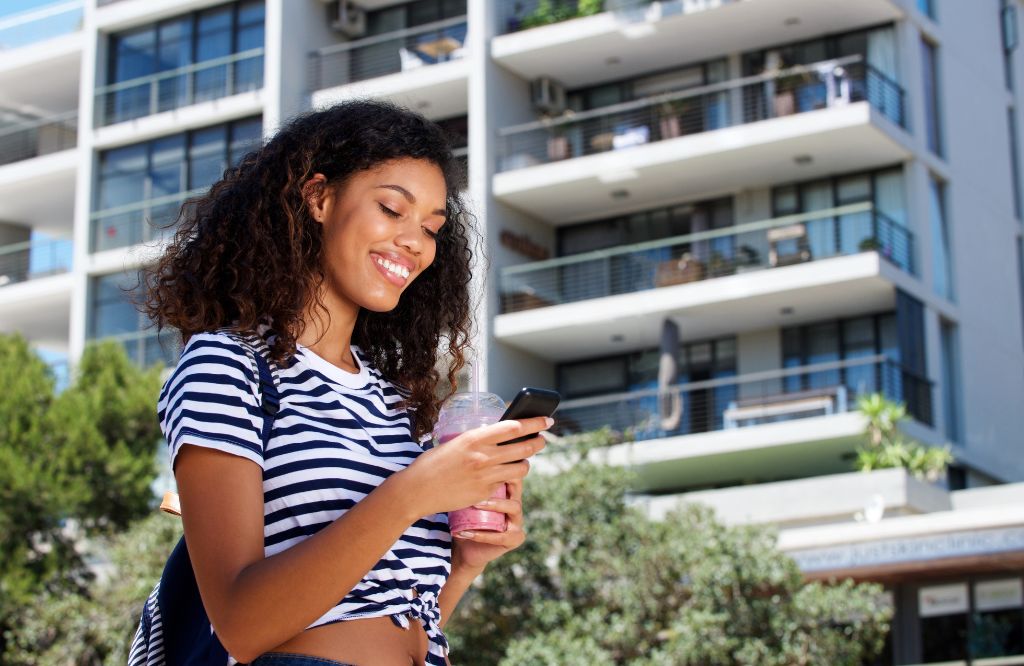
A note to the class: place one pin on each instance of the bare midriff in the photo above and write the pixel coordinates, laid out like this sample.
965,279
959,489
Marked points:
374,641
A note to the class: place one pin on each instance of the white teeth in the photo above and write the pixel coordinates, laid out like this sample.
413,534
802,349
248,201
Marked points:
397,269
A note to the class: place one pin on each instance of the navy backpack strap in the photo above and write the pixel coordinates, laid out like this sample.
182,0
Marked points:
270,398
188,638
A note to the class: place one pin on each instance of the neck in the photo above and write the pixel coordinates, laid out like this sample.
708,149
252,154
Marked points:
330,338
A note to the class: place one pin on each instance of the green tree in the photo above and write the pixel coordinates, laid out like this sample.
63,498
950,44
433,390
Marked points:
885,445
74,465
598,582
95,627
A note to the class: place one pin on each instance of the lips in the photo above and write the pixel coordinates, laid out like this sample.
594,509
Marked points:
395,269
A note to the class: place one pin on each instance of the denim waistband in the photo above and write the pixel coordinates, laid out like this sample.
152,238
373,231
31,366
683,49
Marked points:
289,659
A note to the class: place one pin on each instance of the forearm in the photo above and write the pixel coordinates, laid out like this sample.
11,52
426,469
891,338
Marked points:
274,599
453,591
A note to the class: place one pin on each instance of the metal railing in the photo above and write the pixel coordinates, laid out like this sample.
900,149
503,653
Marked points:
139,222
175,88
399,51
33,259
742,401
827,84
147,347
42,23
774,243
27,137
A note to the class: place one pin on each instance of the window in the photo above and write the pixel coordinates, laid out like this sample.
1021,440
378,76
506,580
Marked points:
951,396
638,371
112,315
147,182
926,7
978,619
165,48
932,116
881,228
872,75
842,340
942,276
1008,25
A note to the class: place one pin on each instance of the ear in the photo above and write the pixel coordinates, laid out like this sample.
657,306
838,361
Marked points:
315,192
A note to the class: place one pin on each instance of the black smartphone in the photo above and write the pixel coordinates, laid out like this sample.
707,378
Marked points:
528,403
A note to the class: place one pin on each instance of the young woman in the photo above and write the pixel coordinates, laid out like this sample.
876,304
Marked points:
339,249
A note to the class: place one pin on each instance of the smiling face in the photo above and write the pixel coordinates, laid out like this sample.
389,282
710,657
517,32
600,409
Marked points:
378,232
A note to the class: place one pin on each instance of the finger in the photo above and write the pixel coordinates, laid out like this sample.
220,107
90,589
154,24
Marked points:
507,506
505,539
503,431
508,472
507,453
515,490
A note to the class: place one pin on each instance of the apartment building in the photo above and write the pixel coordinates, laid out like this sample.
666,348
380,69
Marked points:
712,225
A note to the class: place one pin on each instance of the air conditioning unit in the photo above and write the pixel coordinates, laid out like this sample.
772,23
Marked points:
351,20
547,96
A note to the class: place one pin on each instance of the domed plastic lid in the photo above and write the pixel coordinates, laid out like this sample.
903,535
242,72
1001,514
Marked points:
466,405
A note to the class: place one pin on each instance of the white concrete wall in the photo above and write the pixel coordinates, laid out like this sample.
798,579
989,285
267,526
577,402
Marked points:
983,230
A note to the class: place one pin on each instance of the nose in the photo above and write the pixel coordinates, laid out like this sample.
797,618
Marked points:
410,237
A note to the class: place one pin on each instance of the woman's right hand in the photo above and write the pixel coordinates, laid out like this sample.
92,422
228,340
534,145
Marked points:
471,466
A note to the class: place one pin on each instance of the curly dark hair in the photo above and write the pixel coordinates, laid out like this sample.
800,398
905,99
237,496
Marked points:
250,249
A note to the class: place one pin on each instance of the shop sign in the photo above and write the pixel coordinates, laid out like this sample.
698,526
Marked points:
942,600
917,549
993,595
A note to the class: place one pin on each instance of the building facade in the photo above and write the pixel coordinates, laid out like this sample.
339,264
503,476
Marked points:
712,225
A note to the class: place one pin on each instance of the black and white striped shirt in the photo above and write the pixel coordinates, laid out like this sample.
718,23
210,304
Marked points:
336,437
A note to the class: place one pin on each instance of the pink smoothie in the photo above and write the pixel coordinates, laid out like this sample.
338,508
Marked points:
478,520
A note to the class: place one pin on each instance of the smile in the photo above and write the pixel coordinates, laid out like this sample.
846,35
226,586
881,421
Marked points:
396,273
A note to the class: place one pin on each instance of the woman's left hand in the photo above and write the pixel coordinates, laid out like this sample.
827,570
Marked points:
474,550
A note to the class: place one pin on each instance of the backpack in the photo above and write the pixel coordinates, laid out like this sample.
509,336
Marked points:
174,629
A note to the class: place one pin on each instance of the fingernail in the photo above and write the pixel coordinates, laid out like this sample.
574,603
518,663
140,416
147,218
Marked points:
485,504
549,421
465,535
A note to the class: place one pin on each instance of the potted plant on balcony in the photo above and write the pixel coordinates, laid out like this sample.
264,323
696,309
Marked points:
887,447
869,244
547,12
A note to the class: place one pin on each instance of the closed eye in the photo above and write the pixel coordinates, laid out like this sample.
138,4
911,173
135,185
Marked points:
387,211
430,232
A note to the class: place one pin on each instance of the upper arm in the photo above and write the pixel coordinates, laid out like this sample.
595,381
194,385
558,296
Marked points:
211,418
222,511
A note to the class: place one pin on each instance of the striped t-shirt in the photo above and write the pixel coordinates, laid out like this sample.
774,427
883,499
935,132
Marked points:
336,437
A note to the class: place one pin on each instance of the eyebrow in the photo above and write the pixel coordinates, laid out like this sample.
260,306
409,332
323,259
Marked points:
410,198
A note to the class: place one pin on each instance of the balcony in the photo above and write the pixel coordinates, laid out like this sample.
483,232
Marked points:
628,37
775,272
23,137
775,243
177,88
784,423
830,117
35,259
138,222
420,67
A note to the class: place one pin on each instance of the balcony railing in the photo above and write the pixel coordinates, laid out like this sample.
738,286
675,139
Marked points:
21,262
40,24
139,222
734,403
147,347
25,137
399,51
784,241
175,88
827,84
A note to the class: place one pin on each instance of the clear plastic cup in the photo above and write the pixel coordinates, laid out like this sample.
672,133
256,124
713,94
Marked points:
459,413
